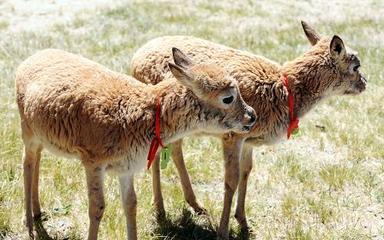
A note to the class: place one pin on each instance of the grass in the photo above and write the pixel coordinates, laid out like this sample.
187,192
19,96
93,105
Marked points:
327,183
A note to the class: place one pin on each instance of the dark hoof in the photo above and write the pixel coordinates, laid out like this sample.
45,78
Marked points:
201,211
41,217
160,215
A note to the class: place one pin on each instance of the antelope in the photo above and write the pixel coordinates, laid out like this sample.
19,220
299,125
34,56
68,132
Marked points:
77,108
328,68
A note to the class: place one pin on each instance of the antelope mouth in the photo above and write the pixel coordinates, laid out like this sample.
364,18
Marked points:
247,128
352,93
355,91
238,129
358,87
227,125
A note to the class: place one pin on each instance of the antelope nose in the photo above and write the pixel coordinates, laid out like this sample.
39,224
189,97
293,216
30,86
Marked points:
362,83
250,117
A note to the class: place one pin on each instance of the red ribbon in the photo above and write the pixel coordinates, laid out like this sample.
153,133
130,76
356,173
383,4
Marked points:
293,120
156,141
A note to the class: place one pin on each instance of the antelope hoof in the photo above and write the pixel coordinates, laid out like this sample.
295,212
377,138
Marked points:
222,235
31,234
200,210
242,221
37,217
42,216
160,213
222,238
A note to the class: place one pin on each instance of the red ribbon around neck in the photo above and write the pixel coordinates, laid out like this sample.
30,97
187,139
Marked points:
156,141
293,120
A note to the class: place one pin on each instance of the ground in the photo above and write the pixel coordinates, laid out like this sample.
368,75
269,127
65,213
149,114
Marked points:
326,183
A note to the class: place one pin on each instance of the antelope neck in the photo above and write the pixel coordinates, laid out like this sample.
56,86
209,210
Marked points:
169,101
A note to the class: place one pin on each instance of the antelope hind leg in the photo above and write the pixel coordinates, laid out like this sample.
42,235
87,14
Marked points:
129,201
158,201
30,159
35,187
95,179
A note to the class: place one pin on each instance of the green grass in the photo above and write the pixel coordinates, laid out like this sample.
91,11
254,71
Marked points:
4,24
327,183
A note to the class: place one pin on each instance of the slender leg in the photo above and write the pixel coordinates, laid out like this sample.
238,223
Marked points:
156,188
35,187
95,179
245,169
189,195
29,168
232,146
129,200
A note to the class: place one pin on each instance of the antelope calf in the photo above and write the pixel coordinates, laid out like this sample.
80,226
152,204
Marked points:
327,68
78,108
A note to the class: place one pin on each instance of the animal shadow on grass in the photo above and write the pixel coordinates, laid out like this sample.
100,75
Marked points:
42,234
189,226
40,230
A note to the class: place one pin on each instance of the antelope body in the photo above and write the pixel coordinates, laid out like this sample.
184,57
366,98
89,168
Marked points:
327,68
78,108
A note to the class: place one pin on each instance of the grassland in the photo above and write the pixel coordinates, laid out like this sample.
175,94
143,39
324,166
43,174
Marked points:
327,183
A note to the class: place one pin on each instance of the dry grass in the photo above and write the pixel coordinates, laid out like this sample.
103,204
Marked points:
327,183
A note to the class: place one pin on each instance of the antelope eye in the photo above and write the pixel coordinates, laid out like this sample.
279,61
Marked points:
228,100
355,68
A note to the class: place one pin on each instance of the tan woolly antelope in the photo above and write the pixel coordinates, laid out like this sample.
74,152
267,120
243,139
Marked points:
78,108
327,68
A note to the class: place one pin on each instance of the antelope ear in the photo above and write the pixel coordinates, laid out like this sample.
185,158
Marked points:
337,48
180,58
182,75
311,34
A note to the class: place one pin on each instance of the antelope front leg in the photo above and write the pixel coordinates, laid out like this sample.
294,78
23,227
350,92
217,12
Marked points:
129,200
232,147
189,195
245,169
158,202
95,179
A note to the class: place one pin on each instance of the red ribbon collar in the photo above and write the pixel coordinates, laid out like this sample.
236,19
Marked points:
293,120
156,141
